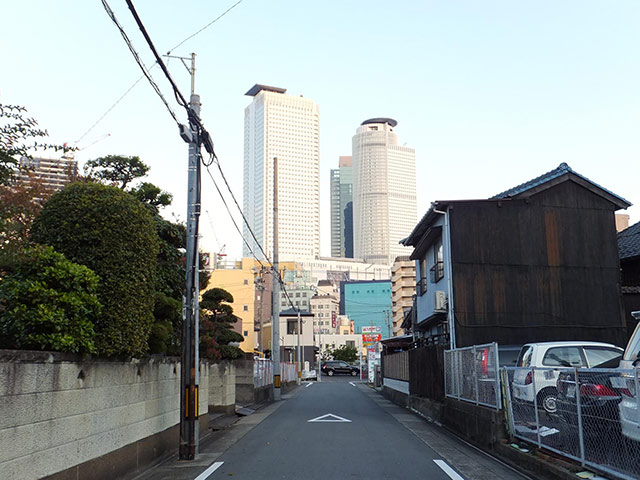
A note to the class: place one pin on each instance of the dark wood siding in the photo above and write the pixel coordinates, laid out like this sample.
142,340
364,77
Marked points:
540,269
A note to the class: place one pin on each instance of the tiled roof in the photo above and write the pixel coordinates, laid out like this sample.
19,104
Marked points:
562,169
629,242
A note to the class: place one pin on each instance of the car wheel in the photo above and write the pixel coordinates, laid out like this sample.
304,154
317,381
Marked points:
330,373
353,373
547,399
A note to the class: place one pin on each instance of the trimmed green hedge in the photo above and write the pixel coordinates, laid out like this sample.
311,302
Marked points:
114,234
48,303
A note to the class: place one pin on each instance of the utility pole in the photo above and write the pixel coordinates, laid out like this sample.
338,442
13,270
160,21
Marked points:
190,364
275,319
298,354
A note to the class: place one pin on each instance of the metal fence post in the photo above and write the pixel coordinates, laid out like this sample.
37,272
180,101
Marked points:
579,410
475,372
637,392
535,405
496,366
509,406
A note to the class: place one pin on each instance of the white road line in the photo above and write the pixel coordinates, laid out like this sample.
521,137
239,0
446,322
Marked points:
204,475
308,385
448,470
352,384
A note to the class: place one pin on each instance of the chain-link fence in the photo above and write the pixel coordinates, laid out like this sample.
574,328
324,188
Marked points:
471,374
262,372
590,415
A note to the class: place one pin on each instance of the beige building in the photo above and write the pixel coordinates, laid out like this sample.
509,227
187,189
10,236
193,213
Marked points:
239,281
403,286
54,173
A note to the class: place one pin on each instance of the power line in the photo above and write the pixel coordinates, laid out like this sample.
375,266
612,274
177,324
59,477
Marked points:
112,106
179,97
206,26
138,59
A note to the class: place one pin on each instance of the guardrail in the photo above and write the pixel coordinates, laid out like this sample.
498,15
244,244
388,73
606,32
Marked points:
471,374
591,415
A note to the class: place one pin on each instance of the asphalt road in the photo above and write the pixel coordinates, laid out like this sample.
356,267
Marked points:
333,430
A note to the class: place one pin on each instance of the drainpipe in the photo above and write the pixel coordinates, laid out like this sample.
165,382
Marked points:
447,245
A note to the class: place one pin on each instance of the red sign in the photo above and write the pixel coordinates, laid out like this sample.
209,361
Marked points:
371,337
333,319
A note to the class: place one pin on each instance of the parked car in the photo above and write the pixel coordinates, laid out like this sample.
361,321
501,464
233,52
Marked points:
599,396
548,357
337,367
628,407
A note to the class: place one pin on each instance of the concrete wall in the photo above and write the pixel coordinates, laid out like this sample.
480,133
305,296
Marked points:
222,387
58,411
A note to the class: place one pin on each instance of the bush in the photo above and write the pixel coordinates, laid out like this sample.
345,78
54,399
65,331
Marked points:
112,233
48,303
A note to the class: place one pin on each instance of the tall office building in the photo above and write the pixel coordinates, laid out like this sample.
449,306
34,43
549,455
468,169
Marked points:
53,173
285,127
384,192
342,209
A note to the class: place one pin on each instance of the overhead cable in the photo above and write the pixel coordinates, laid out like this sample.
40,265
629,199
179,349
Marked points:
206,26
138,59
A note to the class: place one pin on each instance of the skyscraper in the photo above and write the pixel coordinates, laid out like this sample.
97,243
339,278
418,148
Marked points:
384,192
342,209
285,127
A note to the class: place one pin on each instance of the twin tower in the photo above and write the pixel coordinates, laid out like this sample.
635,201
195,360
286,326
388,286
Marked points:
373,192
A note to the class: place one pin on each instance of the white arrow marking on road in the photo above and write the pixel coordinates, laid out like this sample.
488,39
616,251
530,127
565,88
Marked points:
308,385
204,475
330,417
448,470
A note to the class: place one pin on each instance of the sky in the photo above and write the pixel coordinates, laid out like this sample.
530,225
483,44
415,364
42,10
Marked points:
489,93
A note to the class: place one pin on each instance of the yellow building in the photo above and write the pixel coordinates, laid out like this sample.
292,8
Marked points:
251,298
239,282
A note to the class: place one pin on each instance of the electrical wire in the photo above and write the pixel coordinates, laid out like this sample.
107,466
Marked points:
138,60
112,106
206,26
179,97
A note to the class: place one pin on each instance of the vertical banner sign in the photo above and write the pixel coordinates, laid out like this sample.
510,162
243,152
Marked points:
333,320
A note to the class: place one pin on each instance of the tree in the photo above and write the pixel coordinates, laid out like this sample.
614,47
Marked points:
19,136
48,303
151,195
345,353
216,332
19,205
118,169
112,233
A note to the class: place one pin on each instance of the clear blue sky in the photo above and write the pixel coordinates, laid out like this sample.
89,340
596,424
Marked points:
489,93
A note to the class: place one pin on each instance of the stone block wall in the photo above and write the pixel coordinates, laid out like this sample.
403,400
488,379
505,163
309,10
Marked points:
222,387
58,411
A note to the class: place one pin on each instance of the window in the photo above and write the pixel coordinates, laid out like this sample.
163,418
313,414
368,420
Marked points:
351,343
246,333
245,308
598,356
563,357
437,271
246,282
421,287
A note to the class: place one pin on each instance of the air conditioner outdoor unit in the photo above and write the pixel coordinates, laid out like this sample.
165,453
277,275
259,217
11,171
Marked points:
440,301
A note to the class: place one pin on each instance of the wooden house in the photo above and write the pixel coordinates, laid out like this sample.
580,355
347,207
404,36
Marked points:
538,262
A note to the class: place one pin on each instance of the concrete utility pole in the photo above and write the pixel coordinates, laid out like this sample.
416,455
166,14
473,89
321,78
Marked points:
298,353
190,366
275,315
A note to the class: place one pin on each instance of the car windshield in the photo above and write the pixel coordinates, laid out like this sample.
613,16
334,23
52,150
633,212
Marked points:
524,359
602,357
633,348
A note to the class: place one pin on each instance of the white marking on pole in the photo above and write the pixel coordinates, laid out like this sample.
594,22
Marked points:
308,385
204,475
330,417
448,470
